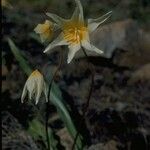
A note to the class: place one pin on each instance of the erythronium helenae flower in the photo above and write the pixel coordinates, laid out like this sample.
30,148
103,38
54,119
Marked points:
45,30
75,31
34,86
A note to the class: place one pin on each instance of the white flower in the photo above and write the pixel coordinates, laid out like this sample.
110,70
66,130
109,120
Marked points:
75,31
45,30
34,86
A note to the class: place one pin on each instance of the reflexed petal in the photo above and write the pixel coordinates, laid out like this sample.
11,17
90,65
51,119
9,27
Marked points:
79,5
76,13
86,44
45,36
49,23
94,23
24,93
72,50
57,42
30,94
39,28
45,30
39,89
31,85
58,20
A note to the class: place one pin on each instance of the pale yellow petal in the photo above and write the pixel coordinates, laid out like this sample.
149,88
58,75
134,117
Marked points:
57,42
31,87
45,36
45,30
76,13
39,89
72,51
94,23
24,93
49,23
79,5
58,20
40,28
88,46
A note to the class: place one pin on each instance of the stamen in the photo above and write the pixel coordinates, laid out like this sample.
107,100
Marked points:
74,32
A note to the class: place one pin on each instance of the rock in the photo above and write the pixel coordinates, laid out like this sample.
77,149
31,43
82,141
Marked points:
110,145
14,136
142,74
66,140
115,35
122,35
138,52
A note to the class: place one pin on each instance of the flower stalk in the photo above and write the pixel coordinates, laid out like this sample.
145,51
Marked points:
85,108
47,104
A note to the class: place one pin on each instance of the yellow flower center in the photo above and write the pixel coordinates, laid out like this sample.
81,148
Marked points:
74,32
35,73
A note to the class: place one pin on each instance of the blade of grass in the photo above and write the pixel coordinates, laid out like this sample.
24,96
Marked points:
22,62
64,115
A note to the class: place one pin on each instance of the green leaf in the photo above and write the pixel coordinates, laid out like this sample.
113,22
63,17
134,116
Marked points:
36,129
17,53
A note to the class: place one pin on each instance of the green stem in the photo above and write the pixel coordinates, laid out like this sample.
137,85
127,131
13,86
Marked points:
88,99
47,104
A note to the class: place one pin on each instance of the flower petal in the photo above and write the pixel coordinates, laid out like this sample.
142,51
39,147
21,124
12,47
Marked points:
87,45
58,20
39,88
31,87
75,15
57,42
94,23
45,36
45,30
24,93
39,28
31,83
79,6
72,50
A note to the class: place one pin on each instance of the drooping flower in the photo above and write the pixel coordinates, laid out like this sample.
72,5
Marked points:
34,87
75,31
45,30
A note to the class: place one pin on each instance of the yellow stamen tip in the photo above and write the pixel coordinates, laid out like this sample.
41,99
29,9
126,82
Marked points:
74,32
